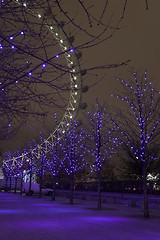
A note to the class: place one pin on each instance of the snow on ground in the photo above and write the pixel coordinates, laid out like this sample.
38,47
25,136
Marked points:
31,218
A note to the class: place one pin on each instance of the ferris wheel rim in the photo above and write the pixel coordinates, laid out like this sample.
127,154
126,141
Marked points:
75,78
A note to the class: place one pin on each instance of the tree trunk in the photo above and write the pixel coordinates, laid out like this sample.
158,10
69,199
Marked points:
30,183
145,194
21,184
40,185
6,186
10,184
71,188
99,190
54,188
15,189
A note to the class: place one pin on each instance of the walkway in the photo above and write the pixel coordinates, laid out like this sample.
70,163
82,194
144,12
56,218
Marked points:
30,218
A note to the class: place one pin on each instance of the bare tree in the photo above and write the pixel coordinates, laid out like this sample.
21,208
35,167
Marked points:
73,153
101,141
54,162
138,123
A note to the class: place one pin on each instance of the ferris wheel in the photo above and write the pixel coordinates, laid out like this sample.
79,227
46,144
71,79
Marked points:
71,68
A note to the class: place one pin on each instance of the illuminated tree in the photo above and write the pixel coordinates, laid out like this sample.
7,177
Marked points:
7,171
138,123
41,164
73,152
55,162
16,171
29,164
100,141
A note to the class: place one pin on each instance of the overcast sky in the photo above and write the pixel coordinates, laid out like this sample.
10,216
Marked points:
138,40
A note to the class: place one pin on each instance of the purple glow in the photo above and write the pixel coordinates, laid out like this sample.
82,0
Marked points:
99,219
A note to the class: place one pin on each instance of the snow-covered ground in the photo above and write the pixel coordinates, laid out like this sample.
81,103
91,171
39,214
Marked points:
31,218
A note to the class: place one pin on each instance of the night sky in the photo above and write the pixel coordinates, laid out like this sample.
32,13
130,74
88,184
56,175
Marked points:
138,39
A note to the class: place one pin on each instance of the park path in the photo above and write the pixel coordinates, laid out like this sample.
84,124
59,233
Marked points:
31,218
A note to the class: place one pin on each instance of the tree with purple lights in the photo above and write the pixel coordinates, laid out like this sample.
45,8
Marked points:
55,162
16,170
23,168
41,164
7,171
29,164
73,152
101,141
137,121
54,158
